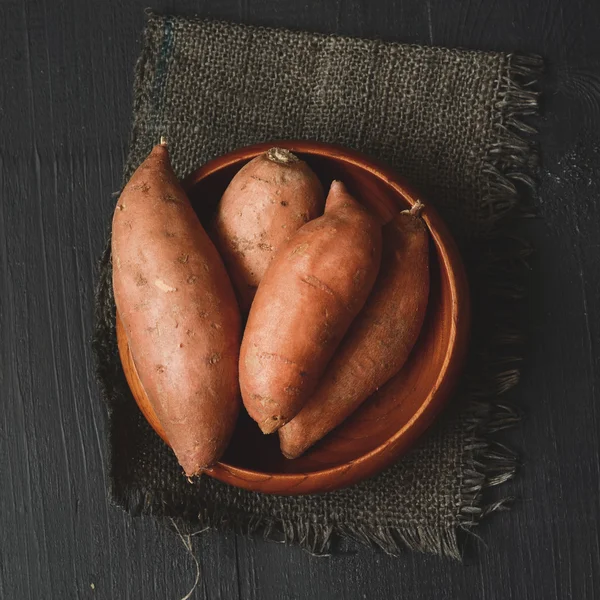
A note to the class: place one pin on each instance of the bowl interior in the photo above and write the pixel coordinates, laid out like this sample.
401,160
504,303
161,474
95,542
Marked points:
377,419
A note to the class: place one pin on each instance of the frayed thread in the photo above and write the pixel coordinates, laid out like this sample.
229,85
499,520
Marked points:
513,157
509,164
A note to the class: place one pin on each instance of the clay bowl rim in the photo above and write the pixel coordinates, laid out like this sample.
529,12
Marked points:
450,262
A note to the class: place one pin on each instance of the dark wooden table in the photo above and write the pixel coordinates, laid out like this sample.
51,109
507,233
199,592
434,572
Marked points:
65,104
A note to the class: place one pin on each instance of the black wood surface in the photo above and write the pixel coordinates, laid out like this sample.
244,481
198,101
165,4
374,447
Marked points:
66,69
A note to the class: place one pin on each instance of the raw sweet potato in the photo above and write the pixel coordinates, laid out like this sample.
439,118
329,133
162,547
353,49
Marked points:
179,312
267,201
378,341
311,292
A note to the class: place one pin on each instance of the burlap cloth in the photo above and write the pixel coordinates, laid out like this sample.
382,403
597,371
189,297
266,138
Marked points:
450,122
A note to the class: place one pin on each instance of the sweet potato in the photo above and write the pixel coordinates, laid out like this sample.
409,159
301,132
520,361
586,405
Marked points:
378,341
267,201
179,312
311,292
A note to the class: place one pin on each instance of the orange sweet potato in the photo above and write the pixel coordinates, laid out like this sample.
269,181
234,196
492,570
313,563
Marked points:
309,295
379,340
267,201
179,312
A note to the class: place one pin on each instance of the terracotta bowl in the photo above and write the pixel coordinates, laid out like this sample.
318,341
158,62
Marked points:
378,433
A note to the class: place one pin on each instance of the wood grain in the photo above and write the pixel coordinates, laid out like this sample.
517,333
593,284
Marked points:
65,106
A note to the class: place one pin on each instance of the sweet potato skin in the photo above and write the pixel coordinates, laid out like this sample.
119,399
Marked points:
304,305
264,205
179,312
379,340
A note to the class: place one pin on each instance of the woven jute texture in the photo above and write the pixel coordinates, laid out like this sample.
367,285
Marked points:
450,121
